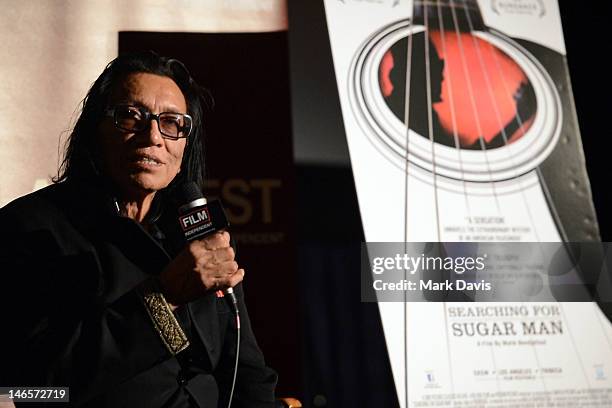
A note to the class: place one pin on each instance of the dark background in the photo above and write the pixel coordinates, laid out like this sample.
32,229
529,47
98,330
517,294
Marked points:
586,27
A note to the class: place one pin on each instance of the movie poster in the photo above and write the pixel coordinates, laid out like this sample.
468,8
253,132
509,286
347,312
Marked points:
461,126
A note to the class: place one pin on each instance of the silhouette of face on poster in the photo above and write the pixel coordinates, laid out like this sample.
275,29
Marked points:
475,96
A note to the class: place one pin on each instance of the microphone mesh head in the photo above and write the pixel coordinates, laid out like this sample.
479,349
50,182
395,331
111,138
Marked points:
189,192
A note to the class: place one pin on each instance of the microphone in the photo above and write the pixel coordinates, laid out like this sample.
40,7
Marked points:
199,218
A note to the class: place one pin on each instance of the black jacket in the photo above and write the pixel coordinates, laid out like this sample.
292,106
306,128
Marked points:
72,314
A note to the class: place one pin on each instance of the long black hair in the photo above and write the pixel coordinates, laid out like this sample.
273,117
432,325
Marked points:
78,161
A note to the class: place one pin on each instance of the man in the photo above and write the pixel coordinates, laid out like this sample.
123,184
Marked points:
101,293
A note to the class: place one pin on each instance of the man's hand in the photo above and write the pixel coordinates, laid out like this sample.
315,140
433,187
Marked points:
203,265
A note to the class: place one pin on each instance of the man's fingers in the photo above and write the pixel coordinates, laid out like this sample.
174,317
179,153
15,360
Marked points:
208,258
219,274
236,278
226,268
225,237
217,240
223,254
229,280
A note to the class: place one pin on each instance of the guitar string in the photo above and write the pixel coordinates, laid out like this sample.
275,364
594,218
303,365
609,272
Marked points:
449,87
433,161
496,109
430,123
474,109
433,152
407,164
564,315
495,106
481,139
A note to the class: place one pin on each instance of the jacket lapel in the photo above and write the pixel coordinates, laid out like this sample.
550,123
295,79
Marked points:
204,317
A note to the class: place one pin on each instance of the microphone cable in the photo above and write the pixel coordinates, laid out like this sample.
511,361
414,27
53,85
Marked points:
232,295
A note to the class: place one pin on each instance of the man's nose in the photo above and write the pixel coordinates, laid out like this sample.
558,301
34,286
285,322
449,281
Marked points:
152,133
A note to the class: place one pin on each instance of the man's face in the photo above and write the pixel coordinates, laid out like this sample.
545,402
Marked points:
142,162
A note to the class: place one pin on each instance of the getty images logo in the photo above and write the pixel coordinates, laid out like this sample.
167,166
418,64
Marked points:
195,218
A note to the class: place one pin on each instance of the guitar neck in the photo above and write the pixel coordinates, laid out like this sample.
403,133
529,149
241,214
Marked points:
449,14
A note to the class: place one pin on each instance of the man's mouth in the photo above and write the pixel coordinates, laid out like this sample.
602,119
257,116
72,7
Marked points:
147,159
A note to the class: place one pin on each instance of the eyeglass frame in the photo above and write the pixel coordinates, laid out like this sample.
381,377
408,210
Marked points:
148,115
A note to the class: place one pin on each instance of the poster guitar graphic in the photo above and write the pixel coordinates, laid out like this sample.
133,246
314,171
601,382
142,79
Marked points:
461,126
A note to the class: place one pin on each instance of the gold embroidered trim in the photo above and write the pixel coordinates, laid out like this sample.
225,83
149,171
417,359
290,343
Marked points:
163,319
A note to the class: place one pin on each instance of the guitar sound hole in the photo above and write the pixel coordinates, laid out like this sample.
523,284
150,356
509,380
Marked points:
480,97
